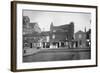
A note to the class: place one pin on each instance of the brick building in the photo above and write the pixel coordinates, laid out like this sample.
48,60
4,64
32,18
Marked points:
61,36
83,39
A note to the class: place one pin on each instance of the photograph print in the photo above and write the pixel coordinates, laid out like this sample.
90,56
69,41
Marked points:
56,36
48,36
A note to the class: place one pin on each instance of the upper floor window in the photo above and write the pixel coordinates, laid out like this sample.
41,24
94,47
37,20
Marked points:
54,30
80,36
67,37
53,36
47,38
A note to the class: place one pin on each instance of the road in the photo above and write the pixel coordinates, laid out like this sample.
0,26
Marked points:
58,55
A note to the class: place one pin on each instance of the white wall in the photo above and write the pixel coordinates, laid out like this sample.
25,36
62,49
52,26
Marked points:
5,37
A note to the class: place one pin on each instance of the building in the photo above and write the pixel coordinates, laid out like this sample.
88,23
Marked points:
80,38
31,33
58,36
45,39
61,36
83,39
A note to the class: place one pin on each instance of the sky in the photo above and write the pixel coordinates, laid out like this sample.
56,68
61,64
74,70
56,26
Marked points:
44,19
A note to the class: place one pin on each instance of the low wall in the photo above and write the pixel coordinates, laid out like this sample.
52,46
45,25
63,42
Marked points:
69,54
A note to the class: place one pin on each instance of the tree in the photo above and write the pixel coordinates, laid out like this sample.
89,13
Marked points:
26,21
88,34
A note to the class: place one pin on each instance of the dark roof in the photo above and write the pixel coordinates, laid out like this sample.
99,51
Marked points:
35,34
63,27
32,25
32,35
80,32
60,27
45,33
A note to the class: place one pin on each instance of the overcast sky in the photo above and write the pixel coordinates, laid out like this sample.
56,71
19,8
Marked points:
44,19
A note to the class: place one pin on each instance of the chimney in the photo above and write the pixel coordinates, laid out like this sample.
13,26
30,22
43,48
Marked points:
85,29
51,26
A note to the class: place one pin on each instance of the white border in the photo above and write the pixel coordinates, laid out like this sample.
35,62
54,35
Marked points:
21,65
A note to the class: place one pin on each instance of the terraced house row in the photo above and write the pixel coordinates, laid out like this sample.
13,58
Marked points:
58,36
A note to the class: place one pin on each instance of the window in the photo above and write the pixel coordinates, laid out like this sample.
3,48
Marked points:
67,37
80,42
53,36
47,38
54,30
80,36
